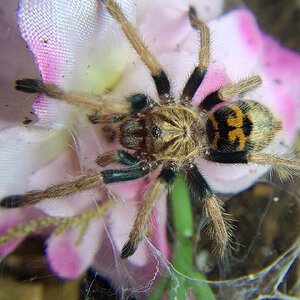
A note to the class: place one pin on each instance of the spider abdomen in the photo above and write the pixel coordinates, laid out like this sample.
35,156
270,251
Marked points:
241,125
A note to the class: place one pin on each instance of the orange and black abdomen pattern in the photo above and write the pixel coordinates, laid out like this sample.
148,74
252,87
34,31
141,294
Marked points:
229,128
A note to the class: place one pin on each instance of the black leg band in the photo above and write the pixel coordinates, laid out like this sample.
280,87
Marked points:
228,158
193,84
118,175
29,85
168,175
210,101
162,84
125,158
199,188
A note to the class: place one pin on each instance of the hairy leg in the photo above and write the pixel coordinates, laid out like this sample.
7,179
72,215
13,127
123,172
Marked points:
214,221
142,219
86,100
285,163
200,70
229,91
159,76
82,183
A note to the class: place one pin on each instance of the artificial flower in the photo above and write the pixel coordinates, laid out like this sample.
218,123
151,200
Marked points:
77,46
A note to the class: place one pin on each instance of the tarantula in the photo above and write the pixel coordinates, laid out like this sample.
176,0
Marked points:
171,135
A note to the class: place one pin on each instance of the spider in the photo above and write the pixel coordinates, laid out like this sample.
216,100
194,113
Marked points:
170,135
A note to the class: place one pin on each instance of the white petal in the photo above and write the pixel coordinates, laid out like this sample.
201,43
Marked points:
225,178
70,206
51,28
23,151
206,10
58,31
76,45
120,229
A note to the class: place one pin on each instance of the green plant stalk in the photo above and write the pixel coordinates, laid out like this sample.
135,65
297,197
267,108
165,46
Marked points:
187,278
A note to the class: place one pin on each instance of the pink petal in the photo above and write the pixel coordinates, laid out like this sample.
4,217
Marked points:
215,78
284,108
251,37
281,66
230,44
69,260
10,218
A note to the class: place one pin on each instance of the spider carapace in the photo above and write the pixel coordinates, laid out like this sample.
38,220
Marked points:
170,134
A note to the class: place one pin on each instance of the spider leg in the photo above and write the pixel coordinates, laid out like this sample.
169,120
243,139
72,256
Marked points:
281,162
82,183
229,91
215,221
87,100
284,163
137,103
116,156
241,87
99,118
159,76
200,70
136,235
228,158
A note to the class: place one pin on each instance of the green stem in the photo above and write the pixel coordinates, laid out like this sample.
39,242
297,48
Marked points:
183,254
